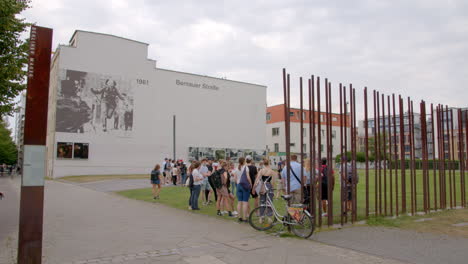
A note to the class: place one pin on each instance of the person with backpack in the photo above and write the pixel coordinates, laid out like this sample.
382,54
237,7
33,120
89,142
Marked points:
295,179
253,171
348,181
325,181
244,186
156,181
190,184
183,172
220,182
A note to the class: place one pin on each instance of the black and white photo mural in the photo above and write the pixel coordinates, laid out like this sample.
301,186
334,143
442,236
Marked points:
198,153
94,103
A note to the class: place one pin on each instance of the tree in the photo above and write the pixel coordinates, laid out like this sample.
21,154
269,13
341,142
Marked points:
8,152
13,53
384,148
360,157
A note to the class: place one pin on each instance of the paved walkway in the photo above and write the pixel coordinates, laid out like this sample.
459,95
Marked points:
90,225
87,226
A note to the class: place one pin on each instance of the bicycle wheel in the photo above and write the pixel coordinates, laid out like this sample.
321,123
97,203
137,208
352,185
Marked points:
303,228
262,218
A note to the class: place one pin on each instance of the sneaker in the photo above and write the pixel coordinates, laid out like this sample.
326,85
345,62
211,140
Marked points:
219,213
190,207
224,212
235,213
240,220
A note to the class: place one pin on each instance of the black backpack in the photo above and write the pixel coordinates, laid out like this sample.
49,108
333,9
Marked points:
216,178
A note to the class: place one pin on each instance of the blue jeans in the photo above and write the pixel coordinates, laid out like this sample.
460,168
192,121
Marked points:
190,197
194,197
233,187
242,194
184,178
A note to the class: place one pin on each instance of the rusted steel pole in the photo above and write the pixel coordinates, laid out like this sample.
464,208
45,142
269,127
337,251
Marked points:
288,137
342,174
345,105
352,138
390,157
452,161
465,156
442,159
384,134
330,158
354,190
433,157
31,211
402,156
411,156
413,161
319,151
375,157
447,123
379,154
395,154
460,156
366,138
312,148
424,153
301,114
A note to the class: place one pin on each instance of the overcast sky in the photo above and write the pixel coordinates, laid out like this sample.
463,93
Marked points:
416,48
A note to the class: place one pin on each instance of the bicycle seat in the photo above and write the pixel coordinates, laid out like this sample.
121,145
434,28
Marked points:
286,197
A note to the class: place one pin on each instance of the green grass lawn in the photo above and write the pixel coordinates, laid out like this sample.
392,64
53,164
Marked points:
94,178
177,197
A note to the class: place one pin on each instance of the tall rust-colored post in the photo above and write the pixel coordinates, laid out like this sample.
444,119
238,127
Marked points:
413,162
313,176
424,154
433,157
319,151
384,154
447,122
345,105
390,158
452,161
330,152
354,177
366,138
402,157
329,161
396,154
35,132
375,157
301,113
352,138
342,170
411,156
460,156
379,154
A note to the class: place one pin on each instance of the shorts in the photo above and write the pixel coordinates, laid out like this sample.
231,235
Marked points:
242,194
155,181
205,186
350,193
324,192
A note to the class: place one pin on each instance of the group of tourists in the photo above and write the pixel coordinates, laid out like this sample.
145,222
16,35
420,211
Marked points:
225,181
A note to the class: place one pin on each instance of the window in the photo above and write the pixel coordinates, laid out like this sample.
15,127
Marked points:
304,148
334,119
276,147
321,147
275,131
333,133
322,119
292,144
323,132
407,148
304,132
69,150
303,115
64,150
291,114
268,116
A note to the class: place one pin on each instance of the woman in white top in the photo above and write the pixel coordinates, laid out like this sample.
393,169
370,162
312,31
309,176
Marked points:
197,182
243,193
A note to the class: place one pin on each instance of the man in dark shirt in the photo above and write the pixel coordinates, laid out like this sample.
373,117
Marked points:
253,175
210,179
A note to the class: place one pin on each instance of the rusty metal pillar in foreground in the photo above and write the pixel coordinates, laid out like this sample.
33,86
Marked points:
366,138
313,175
433,158
35,133
395,154
319,152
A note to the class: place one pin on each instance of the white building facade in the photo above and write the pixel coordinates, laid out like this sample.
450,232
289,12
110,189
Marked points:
112,111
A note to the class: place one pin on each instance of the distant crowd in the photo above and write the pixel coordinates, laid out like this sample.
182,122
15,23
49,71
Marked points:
226,182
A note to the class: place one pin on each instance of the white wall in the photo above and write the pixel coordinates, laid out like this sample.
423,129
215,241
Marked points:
205,117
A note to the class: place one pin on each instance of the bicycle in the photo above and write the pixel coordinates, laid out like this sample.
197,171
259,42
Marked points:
297,217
